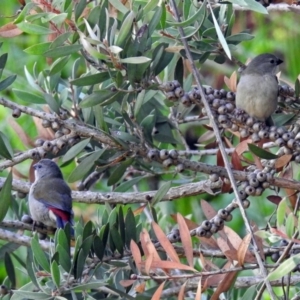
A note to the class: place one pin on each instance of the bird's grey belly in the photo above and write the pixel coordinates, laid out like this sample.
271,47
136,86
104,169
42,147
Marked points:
39,212
258,98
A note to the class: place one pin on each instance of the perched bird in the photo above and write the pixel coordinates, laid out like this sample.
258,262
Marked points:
257,89
50,200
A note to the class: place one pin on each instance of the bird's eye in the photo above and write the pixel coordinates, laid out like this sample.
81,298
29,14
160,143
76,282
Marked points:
272,61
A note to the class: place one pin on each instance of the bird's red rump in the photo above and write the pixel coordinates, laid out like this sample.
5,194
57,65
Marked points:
62,214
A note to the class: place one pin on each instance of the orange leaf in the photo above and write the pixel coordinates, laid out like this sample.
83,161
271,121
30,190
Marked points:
232,237
231,82
157,294
236,161
282,161
243,248
242,146
140,288
166,264
190,224
165,243
139,210
185,239
148,263
136,254
127,283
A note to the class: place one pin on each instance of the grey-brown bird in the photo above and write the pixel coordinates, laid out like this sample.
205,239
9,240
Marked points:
257,89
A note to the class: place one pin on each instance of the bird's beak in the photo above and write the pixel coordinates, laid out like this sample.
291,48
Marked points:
279,61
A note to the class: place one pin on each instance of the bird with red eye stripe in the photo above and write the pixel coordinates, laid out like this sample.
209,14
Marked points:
50,200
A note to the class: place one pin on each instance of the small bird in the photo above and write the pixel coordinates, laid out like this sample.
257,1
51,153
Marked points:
257,89
50,200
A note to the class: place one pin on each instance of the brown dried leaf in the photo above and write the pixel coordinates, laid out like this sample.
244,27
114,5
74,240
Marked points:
208,210
274,199
242,147
140,288
291,194
136,254
21,133
225,285
190,224
231,82
127,283
185,239
243,248
220,161
225,248
181,292
236,161
139,210
10,30
282,161
213,280
199,291
166,264
157,294
165,243
259,241
44,133
206,264
148,263
233,238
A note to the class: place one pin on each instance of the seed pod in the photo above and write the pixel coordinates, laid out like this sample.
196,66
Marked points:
167,162
63,114
217,94
39,142
275,256
47,146
65,130
250,121
234,127
176,83
173,154
200,232
214,177
223,93
263,134
163,154
55,125
280,131
42,236
250,190
265,185
257,127
258,191
193,95
21,195
229,107
26,219
223,213
228,218
34,154
74,140
230,96
42,153
261,176
209,90
222,110
46,123
255,137
58,134
297,158
16,113
243,194
214,228
55,149
216,103
244,133
179,92
222,119
3,290
168,86
254,182
246,203
280,142
206,225
210,98
179,168
291,143
208,234
153,154
185,100
273,135
171,96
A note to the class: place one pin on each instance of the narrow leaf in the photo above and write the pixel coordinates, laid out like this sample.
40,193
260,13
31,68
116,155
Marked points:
5,196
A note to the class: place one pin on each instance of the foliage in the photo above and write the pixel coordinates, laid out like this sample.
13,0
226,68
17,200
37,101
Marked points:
113,91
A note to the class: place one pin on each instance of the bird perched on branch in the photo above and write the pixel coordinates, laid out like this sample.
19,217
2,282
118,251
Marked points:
257,89
50,200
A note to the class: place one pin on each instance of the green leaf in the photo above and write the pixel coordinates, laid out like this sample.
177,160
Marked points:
135,60
256,6
10,270
297,88
198,15
7,82
92,79
220,34
119,172
52,103
284,268
119,6
116,237
5,196
29,97
64,258
85,166
130,228
29,268
3,60
162,191
98,247
290,225
79,8
34,29
5,147
63,51
82,255
96,98
125,186
75,150
281,210
125,30
39,254
239,37
58,65
261,152
55,274
24,12
60,40
38,49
